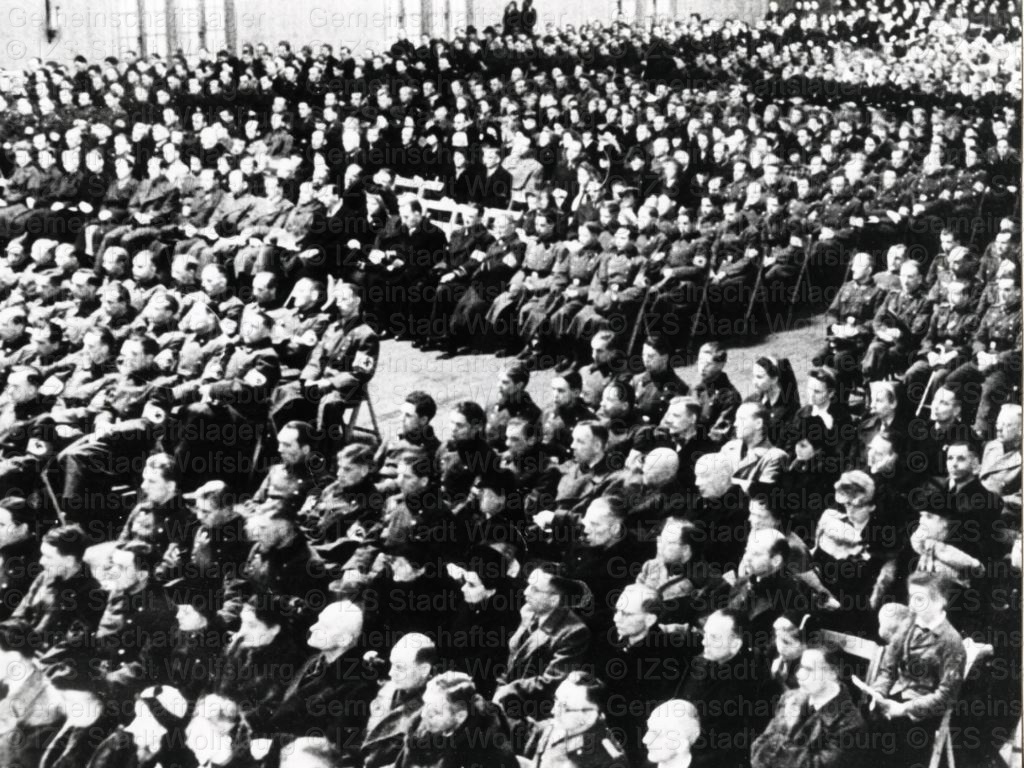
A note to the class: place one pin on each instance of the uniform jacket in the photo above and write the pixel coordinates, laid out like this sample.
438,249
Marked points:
597,747
344,343
19,565
250,374
56,608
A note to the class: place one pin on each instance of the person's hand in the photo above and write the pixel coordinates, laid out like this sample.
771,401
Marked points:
376,256
190,230
544,519
105,215
510,261
446,278
455,572
503,692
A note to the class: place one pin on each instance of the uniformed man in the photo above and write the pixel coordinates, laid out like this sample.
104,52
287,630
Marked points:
849,320
900,324
298,329
571,277
576,735
137,619
337,371
614,295
997,353
658,383
718,398
947,344
532,282
513,400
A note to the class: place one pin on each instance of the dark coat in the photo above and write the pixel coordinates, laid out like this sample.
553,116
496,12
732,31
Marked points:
331,697
822,738
256,678
480,742
539,660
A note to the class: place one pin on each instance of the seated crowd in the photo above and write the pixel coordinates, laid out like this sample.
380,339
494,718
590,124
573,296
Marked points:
203,563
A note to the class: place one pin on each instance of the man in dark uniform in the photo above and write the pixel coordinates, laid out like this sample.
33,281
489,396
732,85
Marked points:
339,368
899,326
947,344
997,352
136,621
718,398
513,400
577,734
658,383
849,320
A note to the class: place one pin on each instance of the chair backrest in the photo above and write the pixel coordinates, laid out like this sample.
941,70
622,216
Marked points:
860,647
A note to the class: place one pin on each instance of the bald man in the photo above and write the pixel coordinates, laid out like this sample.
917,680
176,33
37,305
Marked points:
720,510
672,730
399,700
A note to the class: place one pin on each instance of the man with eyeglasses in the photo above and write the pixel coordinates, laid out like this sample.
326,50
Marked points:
576,735
550,641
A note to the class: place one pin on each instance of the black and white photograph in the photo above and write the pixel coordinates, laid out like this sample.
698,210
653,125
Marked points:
511,384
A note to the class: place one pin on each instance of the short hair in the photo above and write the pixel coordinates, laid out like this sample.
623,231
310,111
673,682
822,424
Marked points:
831,654
573,379
530,428
421,464
426,649
659,343
650,598
68,540
623,391
716,350
412,203
164,464
738,619
307,433
458,688
359,454
106,338
473,412
313,750
426,407
596,692
147,343
691,403
685,711
597,430
144,556
689,533
972,447
937,583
